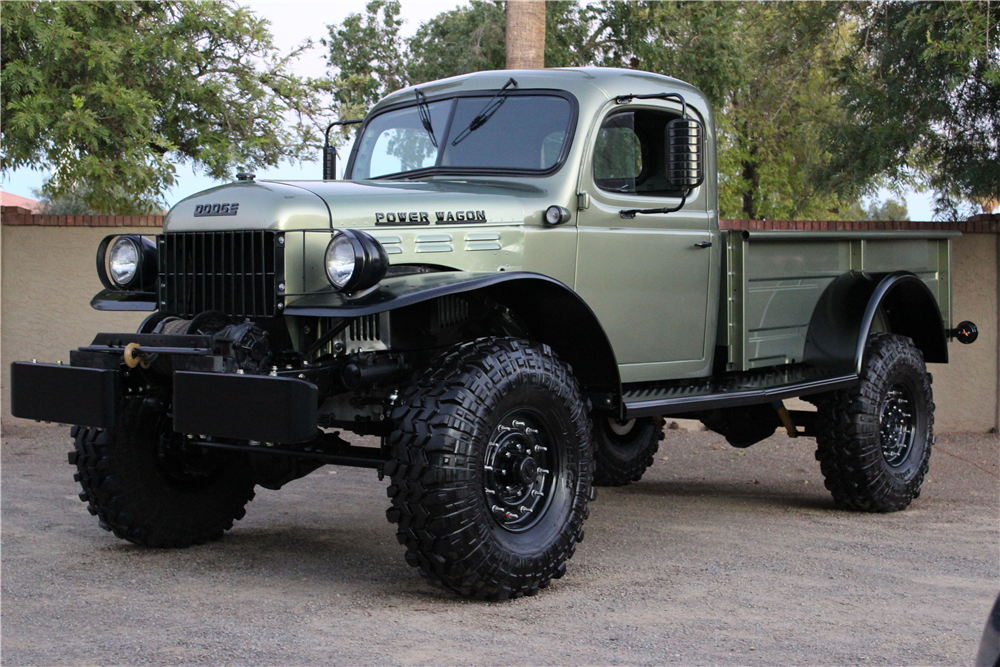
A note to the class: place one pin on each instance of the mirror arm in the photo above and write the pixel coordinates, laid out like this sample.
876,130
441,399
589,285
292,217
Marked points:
628,214
625,99
330,153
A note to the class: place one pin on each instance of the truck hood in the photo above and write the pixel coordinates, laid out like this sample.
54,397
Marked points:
287,205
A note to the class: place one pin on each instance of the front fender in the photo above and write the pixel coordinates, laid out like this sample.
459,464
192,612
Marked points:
552,312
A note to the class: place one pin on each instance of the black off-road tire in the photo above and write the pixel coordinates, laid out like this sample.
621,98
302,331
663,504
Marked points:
623,451
868,461
478,402
145,488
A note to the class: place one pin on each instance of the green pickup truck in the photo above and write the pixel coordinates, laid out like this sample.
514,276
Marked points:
521,274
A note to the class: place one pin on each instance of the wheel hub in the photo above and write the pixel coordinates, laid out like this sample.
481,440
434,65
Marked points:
896,425
517,471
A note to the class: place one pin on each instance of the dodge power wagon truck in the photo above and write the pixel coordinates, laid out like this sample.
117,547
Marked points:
521,273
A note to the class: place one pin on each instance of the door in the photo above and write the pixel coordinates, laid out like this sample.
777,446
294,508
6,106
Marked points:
646,277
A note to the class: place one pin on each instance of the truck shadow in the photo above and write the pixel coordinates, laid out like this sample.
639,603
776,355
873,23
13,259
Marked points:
726,493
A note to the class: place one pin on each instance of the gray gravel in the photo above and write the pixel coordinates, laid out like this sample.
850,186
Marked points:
717,556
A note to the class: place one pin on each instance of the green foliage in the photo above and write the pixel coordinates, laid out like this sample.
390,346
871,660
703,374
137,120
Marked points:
365,53
74,202
366,50
921,100
763,66
470,38
889,210
110,95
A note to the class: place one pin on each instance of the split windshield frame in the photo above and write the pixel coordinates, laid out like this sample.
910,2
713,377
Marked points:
572,121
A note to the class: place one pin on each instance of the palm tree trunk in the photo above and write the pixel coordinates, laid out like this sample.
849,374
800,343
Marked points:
525,34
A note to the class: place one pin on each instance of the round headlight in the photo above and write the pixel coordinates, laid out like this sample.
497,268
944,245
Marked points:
340,261
123,261
355,261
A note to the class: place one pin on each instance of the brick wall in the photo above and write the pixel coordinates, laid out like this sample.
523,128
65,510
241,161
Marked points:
21,217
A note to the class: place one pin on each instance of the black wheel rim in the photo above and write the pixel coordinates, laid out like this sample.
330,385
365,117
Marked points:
897,425
519,470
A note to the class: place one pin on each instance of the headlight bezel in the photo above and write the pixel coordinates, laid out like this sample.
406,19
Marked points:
370,261
144,277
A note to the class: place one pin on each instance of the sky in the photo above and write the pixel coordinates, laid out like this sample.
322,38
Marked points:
293,22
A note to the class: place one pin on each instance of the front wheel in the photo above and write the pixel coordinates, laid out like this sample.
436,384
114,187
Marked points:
874,440
491,469
148,486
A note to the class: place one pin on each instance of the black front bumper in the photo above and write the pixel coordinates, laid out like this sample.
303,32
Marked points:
225,405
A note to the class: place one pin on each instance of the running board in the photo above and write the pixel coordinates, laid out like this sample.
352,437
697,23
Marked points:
730,391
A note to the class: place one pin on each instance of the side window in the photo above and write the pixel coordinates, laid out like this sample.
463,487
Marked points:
630,153
618,154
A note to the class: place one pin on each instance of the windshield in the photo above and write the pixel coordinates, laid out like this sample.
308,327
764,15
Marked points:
518,132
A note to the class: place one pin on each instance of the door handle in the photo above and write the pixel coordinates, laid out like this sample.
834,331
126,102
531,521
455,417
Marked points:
703,244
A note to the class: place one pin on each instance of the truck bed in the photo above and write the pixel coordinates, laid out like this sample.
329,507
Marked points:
772,281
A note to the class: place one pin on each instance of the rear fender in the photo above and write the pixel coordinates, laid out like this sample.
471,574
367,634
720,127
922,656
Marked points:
550,311
847,310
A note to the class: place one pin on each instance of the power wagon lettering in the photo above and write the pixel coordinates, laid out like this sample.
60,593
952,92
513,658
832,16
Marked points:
423,218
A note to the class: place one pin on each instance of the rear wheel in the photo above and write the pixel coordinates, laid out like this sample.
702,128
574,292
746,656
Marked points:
491,469
623,450
148,486
874,440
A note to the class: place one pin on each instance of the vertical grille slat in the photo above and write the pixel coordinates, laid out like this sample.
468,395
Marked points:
229,271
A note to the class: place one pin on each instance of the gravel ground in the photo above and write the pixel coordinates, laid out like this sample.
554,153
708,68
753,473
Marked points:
717,556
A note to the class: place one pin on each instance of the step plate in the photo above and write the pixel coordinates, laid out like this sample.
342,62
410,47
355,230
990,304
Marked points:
731,391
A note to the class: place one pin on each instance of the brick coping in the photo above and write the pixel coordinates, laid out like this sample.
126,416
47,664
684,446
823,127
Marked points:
979,224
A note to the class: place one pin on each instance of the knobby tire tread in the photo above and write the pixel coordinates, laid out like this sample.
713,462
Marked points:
440,518
124,491
847,432
621,465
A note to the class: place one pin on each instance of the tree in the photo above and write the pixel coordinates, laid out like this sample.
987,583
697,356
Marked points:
110,95
365,54
467,39
525,34
764,67
921,99
889,210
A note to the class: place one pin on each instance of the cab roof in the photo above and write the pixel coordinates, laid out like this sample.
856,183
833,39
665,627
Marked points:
583,82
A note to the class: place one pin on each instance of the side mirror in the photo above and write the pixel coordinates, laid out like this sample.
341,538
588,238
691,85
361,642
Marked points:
329,163
330,153
685,153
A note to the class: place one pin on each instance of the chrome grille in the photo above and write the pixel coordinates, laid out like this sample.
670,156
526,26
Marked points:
237,273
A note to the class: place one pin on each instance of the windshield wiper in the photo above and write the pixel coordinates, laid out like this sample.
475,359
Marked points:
491,108
425,116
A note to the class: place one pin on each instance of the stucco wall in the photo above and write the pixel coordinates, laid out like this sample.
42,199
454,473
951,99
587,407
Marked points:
49,277
966,388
